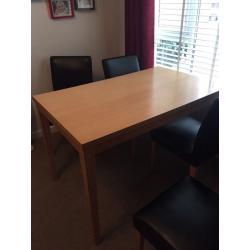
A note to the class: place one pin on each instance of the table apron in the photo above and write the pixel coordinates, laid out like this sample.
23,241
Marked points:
111,140
60,128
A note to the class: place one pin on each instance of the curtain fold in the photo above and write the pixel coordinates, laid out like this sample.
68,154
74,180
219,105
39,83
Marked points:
139,31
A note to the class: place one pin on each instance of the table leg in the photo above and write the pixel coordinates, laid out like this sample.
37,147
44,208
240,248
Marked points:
88,166
49,145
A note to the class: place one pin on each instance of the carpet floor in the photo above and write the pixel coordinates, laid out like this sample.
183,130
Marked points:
60,219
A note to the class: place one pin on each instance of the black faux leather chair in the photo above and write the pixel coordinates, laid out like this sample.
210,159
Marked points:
192,140
118,66
185,217
70,71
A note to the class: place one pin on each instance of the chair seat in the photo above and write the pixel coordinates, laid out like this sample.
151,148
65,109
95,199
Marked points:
185,217
178,136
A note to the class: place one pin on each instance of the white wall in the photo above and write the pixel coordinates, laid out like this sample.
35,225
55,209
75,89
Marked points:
98,33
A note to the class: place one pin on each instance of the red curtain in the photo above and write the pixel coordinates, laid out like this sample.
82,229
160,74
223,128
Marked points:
139,30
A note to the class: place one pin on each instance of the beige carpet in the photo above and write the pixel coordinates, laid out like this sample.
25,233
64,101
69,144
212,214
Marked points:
60,218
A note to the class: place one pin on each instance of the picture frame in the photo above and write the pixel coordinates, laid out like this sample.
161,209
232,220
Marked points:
84,4
61,8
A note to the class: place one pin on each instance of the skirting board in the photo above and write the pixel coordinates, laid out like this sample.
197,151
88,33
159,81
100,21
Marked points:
39,134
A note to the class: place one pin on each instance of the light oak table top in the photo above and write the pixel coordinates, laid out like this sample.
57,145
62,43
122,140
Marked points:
92,111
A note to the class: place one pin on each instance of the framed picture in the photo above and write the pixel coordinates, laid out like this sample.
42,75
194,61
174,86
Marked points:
85,4
61,8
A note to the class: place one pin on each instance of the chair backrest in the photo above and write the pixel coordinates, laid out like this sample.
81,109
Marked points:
118,66
70,71
207,141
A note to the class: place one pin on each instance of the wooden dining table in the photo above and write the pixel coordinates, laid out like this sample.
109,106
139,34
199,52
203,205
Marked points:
97,116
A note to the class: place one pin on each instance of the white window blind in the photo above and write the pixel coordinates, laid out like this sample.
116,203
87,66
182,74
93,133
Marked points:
187,36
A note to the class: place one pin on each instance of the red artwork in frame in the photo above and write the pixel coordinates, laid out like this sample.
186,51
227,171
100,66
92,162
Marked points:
61,8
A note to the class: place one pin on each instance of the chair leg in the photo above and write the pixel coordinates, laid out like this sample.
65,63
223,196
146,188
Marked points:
140,241
192,171
153,149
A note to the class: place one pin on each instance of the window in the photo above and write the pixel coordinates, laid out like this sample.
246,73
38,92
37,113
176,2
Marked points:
187,36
